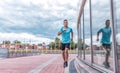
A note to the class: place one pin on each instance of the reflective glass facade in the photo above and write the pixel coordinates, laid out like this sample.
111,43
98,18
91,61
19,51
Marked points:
93,17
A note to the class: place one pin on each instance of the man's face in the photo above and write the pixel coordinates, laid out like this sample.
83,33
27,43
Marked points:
65,23
107,23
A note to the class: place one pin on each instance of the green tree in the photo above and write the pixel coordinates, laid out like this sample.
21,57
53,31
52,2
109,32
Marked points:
57,43
76,45
82,44
6,42
17,42
72,45
52,45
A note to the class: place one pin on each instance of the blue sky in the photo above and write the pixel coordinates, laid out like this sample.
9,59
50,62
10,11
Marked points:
36,20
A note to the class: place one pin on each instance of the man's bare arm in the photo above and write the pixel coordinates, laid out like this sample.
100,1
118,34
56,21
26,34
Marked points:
71,36
98,35
59,33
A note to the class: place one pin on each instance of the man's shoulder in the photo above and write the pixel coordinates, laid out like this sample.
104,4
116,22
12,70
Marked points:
69,27
106,28
102,28
61,27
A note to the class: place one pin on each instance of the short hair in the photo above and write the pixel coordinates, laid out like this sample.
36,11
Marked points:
65,20
106,21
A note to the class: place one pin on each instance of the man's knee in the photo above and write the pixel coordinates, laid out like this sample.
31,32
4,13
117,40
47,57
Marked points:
66,50
63,51
108,52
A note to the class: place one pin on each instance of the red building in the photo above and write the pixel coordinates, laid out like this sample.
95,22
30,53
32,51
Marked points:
35,46
29,46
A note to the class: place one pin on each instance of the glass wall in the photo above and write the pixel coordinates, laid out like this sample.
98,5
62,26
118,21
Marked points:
80,51
92,50
117,12
81,38
86,35
100,13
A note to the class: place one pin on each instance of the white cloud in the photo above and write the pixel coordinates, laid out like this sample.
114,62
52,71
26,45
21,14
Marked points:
100,2
17,12
24,37
40,14
118,9
118,38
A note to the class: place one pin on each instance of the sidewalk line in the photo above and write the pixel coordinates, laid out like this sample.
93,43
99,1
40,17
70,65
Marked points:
39,68
66,70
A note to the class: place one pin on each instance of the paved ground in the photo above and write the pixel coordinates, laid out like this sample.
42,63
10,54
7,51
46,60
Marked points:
49,63
72,68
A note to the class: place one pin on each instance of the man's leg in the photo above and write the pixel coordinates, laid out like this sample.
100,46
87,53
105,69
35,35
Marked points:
63,55
107,65
66,57
107,55
66,54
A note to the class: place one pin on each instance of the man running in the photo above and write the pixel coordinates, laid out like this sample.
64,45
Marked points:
66,32
106,35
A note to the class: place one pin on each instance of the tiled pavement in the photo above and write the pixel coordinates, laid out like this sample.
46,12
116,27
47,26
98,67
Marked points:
45,63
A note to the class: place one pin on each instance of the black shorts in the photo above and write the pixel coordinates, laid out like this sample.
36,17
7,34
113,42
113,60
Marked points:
107,46
65,45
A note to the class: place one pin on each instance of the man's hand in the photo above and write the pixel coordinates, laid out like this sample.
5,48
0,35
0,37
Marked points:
98,35
59,33
63,31
71,36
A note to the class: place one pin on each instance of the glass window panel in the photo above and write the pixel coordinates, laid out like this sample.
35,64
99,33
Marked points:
118,29
80,52
87,41
100,13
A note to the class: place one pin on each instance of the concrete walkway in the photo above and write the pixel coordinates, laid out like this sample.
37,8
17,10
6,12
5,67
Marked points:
45,63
